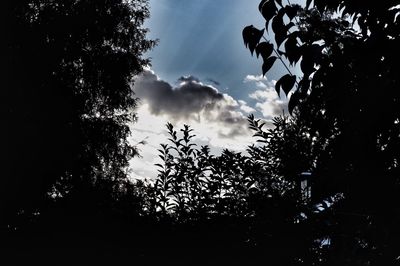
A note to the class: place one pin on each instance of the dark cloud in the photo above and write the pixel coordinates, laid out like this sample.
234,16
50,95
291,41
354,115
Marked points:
182,101
190,99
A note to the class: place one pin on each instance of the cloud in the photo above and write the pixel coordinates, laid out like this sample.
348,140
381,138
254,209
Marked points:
267,100
268,94
191,100
245,108
253,78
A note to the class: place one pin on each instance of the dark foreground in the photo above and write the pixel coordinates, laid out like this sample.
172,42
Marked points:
101,240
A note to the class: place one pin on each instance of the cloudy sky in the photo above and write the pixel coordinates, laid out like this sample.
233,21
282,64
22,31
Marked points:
203,76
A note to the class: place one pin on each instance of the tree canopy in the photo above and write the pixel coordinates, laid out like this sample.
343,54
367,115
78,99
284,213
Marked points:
348,97
66,97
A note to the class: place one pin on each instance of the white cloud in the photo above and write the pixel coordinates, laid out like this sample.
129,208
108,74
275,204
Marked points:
268,94
261,85
245,108
268,101
254,78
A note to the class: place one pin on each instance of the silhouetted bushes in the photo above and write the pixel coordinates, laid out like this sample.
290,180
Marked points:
216,205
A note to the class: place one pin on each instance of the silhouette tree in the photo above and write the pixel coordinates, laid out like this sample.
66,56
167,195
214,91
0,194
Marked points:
66,98
255,199
347,52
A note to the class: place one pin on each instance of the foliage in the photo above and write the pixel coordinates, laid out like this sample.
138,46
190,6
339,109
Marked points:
348,55
194,183
67,98
259,192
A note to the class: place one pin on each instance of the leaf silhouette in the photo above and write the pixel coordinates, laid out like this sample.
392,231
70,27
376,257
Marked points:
307,66
260,6
268,10
291,11
304,85
246,33
279,28
251,37
293,52
286,83
268,63
294,101
264,49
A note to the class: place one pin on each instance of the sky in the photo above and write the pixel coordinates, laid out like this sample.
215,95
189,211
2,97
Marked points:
201,75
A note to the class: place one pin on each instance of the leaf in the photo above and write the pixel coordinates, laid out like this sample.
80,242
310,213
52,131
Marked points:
268,11
279,2
159,165
251,37
277,23
292,50
280,38
264,49
286,83
268,63
291,11
320,5
304,85
278,88
246,33
332,5
316,52
260,6
279,28
307,66
294,101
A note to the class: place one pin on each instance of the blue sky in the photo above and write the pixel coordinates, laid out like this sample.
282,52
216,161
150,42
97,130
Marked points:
202,75
204,38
